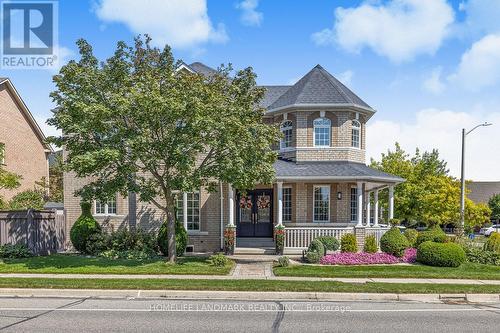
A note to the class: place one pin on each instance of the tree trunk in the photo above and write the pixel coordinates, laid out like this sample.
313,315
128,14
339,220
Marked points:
171,229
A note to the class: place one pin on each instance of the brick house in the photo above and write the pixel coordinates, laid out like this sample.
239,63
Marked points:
322,187
22,142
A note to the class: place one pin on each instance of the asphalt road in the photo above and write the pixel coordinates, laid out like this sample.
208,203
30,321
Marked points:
135,315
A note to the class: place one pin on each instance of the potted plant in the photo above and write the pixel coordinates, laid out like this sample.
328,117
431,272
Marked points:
279,238
229,240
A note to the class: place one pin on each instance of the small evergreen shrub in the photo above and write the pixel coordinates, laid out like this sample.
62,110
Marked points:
440,254
370,244
435,234
83,229
9,251
180,239
493,242
348,243
315,251
283,262
394,242
411,235
329,242
480,256
313,257
218,260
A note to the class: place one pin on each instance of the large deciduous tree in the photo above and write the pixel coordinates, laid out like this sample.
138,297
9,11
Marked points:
8,180
429,194
136,123
494,204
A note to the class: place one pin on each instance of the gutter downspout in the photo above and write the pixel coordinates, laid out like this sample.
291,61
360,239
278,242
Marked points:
221,195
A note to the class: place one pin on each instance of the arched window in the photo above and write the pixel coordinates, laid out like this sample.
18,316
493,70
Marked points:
356,134
322,129
286,130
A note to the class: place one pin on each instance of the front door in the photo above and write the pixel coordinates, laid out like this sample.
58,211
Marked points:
254,214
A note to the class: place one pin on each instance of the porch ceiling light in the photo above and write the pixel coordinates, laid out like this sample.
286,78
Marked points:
339,195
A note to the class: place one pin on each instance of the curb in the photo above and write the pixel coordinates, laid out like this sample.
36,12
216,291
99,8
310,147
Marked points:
244,295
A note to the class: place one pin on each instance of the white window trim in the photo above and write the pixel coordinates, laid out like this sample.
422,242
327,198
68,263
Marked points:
358,127
193,231
357,208
106,209
282,130
291,213
329,131
329,204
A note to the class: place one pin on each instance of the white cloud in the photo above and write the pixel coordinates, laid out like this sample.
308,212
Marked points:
441,129
249,15
480,65
346,77
482,15
433,83
64,55
399,30
179,23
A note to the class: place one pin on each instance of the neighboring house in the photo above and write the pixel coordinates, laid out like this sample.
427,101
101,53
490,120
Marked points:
481,192
322,182
22,142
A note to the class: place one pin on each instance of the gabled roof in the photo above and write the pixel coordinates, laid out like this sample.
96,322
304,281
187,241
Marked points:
318,87
26,112
203,69
331,170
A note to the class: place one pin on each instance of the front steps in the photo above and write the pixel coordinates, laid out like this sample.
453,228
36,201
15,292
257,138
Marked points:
254,246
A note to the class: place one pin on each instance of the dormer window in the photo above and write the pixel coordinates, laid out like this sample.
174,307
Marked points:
322,132
286,130
356,134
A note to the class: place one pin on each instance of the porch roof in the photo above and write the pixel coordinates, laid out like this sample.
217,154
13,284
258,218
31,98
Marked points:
331,170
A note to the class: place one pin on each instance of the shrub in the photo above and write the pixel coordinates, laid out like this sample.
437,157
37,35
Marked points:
394,242
98,243
394,222
283,261
27,199
329,242
14,251
128,254
370,244
435,234
480,256
84,227
313,257
440,254
316,246
411,235
348,243
218,260
180,239
123,244
493,242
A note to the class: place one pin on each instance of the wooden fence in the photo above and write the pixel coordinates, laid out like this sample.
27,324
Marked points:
42,231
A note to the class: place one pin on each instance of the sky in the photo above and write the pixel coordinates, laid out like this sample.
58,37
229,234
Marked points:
429,67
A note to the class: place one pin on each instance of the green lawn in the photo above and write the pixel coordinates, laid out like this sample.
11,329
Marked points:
65,264
466,271
243,285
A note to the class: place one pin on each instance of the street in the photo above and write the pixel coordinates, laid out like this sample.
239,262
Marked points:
141,315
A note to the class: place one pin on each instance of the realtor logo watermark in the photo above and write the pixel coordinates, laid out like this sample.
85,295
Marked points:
29,34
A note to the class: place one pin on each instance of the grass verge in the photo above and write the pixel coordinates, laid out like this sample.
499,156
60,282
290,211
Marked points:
76,264
245,285
465,271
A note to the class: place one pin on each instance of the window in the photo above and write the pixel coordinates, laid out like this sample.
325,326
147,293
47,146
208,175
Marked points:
286,130
322,128
2,153
193,210
107,207
287,204
356,134
321,203
354,204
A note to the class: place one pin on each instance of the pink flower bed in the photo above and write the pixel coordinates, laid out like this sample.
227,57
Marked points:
363,258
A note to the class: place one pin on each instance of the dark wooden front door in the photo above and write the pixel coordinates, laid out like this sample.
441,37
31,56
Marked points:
254,214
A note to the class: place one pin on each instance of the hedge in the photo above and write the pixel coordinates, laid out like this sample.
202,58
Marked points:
394,242
435,234
493,243
329,242
348,243
440,254
370,244
411,235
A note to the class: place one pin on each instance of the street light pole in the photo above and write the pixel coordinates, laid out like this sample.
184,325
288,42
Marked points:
462,174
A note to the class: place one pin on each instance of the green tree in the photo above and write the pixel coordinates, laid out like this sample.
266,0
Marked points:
134,123
28,199
494,204
56,179
8,180
429,194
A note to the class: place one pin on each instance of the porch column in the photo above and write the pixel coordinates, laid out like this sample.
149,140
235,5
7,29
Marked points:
280,203
230,196
391,202
368,208
185,210
359,192
375,208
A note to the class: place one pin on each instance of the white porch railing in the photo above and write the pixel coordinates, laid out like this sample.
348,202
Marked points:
377,231
301,237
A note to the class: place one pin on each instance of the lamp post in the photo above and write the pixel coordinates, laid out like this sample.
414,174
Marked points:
462,187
